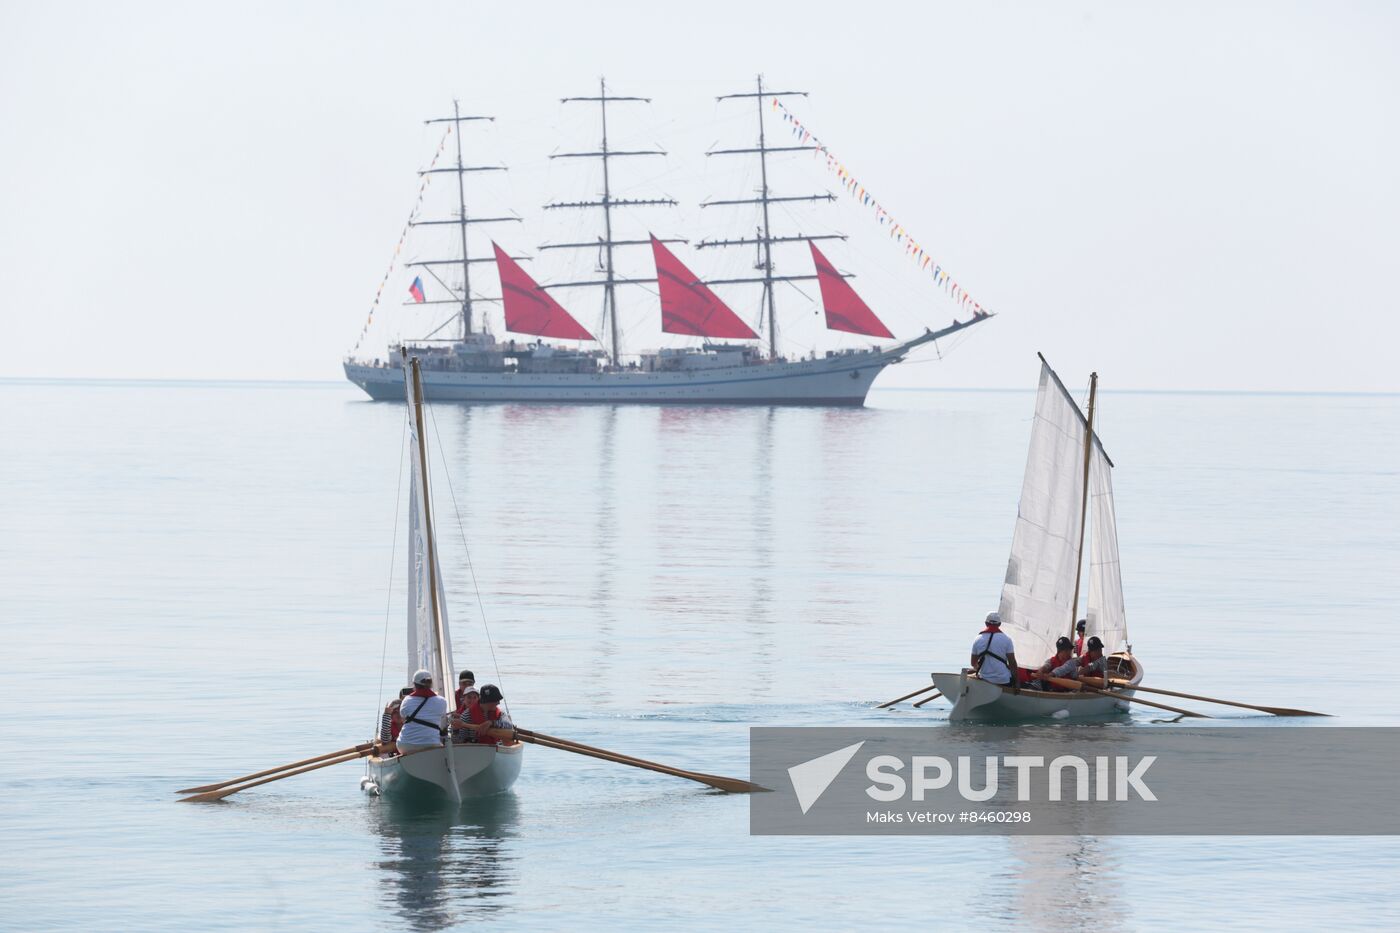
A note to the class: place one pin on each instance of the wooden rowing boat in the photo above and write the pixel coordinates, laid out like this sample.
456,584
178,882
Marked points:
453,772
977,700
1066,502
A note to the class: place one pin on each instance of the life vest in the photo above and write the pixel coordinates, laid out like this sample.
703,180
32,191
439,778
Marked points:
476,714
1049,668
1079,646
993,630
1090,659
424,694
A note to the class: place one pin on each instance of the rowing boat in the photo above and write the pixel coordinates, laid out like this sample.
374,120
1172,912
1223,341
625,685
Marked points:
455,771
975,699
1066,504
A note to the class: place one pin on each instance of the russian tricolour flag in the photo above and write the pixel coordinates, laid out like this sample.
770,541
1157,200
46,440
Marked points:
416,289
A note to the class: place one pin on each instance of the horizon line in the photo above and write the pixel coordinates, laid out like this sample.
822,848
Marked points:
176,381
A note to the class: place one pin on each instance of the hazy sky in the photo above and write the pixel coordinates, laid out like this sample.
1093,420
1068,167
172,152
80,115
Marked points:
1179,195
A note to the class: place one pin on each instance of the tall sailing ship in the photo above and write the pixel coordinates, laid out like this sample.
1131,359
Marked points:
567,363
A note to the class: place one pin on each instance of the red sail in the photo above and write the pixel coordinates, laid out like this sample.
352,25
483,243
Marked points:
844,308
529,309
688,307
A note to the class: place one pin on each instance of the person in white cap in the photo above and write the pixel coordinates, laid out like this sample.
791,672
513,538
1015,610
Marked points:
424,713
994,656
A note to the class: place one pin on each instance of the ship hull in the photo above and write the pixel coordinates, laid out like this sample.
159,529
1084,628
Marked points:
978,701
841,380
482,771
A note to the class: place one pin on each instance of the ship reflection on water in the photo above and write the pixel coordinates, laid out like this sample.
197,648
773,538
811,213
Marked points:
439,867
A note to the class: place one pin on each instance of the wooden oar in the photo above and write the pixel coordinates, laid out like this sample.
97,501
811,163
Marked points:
906,696
1276,710
221,794
1078,685
731,785
927,700
296,764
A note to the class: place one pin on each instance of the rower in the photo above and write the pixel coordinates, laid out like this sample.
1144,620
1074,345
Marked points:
466,697
391,722
488,722
1061,664
994,656
423,712
1079,628
1092,662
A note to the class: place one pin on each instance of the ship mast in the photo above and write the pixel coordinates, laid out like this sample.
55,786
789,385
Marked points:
462,220
765,239
604,153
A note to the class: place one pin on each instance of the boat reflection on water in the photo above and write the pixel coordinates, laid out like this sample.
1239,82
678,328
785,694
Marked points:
442,866
1051,882
1068,883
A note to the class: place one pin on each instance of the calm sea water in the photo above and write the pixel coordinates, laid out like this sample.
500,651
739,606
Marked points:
201,580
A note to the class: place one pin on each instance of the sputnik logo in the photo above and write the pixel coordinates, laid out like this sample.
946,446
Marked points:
811,778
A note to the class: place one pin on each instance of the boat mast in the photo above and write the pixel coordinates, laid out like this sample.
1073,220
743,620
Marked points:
444,672
610,281
765,238
1083,502
460,170
767,228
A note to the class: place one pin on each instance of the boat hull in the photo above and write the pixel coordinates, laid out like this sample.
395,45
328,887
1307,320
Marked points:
482,770
978,701
838,380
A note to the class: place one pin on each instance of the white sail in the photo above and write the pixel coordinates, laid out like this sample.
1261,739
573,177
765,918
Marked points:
429,639
1105,613
1045,547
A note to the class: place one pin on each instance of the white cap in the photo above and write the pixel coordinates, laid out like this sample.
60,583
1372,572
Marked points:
423,677
470,688
994,618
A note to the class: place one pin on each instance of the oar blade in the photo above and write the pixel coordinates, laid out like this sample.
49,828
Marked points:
729,785
737,786
210,795
927,700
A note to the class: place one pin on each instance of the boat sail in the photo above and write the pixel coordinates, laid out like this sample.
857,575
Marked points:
1105,614
454,771
737,362
1044,572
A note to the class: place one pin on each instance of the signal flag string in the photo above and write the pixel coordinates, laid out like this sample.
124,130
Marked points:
394,260
897,231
